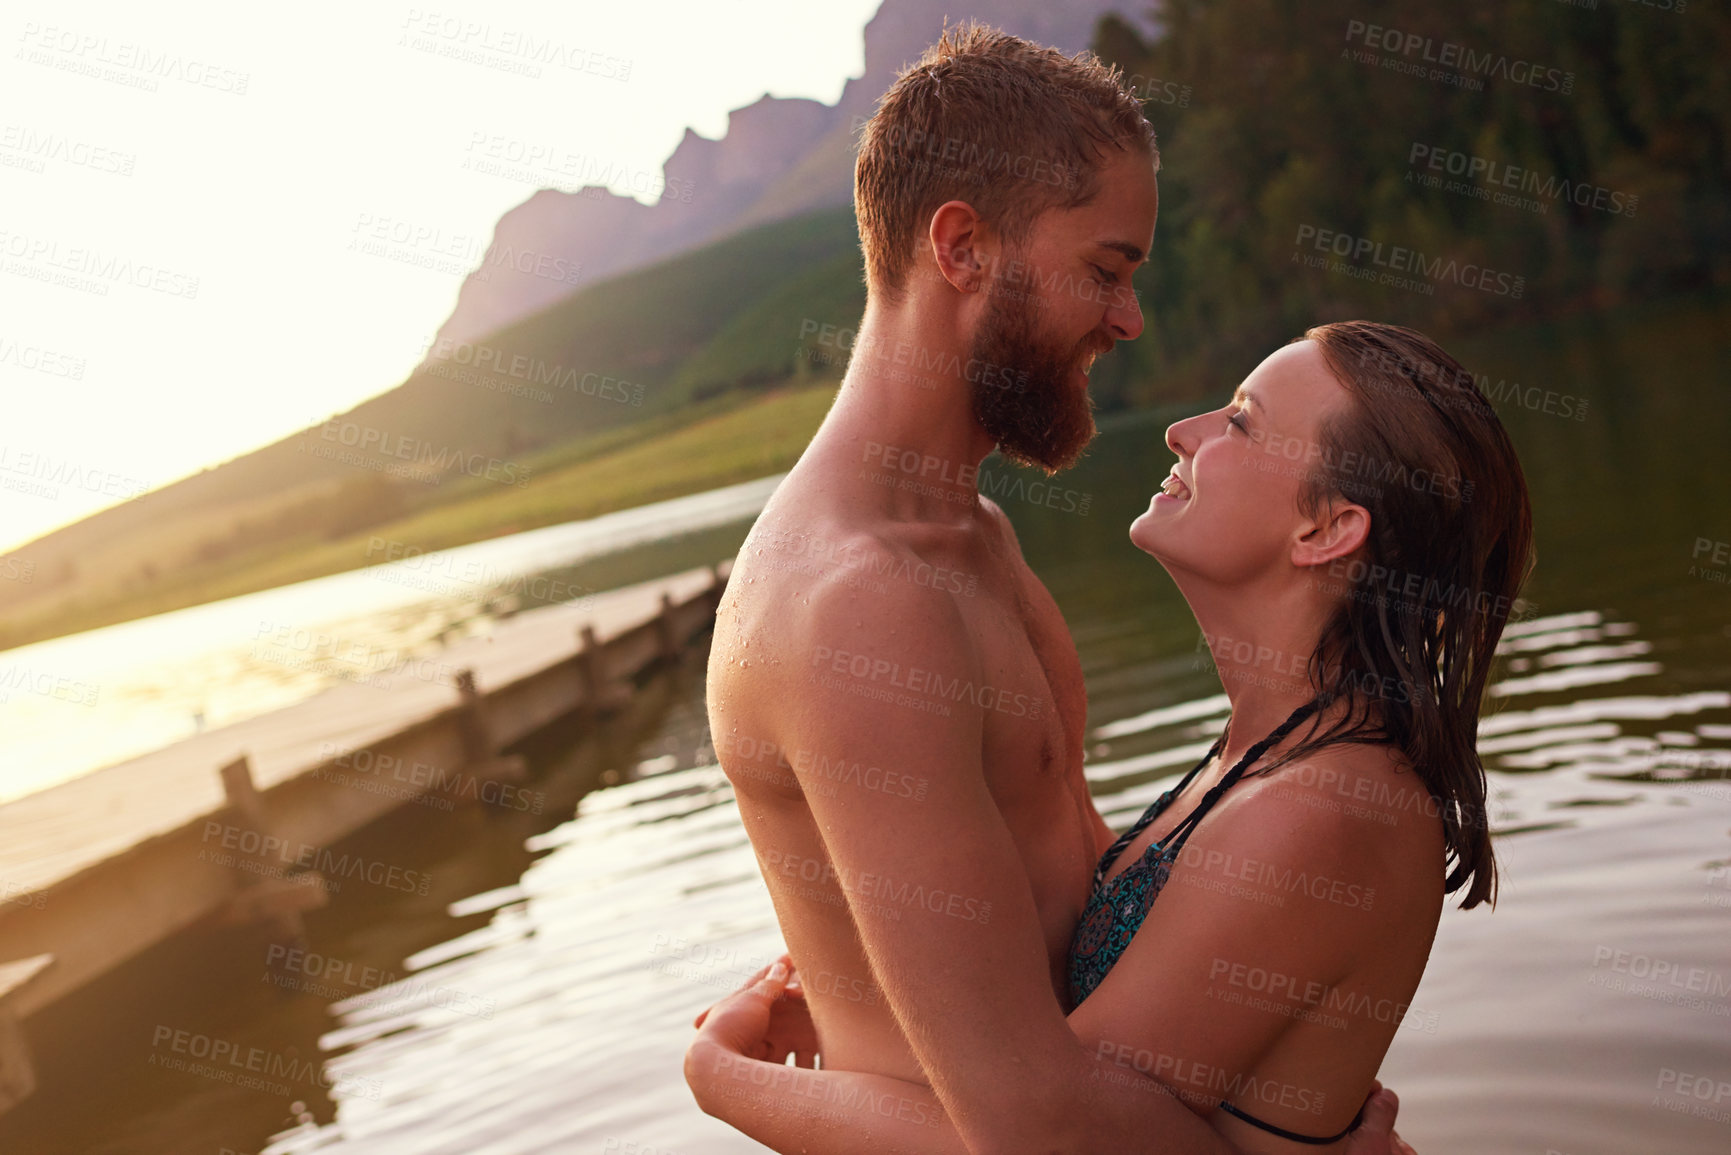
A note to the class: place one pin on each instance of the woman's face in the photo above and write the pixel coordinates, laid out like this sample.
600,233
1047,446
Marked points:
1229,513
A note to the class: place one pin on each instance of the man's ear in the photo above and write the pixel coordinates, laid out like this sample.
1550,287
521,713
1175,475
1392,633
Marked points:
962,245
1337,530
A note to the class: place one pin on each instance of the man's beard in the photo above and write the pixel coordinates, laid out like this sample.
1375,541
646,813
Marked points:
1023,396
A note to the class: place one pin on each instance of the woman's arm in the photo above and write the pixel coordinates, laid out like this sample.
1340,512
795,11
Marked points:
1273,968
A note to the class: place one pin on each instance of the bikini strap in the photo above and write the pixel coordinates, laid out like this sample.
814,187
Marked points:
1174,842
1154,811
1294,1136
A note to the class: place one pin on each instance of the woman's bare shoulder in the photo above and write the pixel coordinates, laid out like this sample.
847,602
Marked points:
1360,806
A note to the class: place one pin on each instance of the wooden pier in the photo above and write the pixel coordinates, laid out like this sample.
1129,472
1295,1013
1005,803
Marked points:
97,870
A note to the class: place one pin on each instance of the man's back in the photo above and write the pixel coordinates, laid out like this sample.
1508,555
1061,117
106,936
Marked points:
822,624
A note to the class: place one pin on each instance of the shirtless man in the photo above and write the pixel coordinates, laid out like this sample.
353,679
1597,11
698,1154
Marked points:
892,692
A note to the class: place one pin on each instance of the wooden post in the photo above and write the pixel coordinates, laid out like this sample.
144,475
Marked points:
242,795
717,587
590,665
17,1071
600,694
472,721
480,755
666,632
263,896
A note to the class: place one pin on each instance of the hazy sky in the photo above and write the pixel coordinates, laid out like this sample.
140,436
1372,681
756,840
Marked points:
179,184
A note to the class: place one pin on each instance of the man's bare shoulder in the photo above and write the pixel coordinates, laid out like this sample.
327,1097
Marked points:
870,590
846,632
999,521
805,550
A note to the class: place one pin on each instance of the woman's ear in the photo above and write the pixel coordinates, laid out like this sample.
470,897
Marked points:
1337,531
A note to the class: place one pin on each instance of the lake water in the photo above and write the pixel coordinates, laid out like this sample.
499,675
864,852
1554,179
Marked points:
539,1000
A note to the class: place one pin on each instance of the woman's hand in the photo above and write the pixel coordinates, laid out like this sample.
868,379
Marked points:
766,1019
736,1068
1376,1134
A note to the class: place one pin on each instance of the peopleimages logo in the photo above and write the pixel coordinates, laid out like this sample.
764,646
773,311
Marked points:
34,149
136,65
933,684
850,556
485,358
811,766
1455,63
250,1067
429,460
888,891
1500,175
237,845
90,269
925,358
963,156
1397,259
39,360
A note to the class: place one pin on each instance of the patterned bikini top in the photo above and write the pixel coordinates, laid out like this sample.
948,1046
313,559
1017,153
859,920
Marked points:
1116,909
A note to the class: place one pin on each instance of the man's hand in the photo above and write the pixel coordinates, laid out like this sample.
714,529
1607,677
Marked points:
1376,1134
767,1018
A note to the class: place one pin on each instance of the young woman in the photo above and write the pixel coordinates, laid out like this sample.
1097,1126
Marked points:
1351,531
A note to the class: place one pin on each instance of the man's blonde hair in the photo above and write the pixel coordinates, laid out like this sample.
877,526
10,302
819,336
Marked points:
1010,127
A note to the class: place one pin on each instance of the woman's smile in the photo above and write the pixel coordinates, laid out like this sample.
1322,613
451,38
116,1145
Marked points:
1173,489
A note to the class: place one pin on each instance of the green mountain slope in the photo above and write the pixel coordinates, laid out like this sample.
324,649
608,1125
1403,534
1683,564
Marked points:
610,364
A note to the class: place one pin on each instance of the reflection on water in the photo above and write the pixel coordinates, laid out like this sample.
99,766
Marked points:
1579,1016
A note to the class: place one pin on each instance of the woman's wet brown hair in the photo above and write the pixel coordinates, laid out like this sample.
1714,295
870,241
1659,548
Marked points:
1427,596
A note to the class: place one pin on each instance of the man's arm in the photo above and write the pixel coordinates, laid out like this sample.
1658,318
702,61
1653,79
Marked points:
796,1109
937,887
